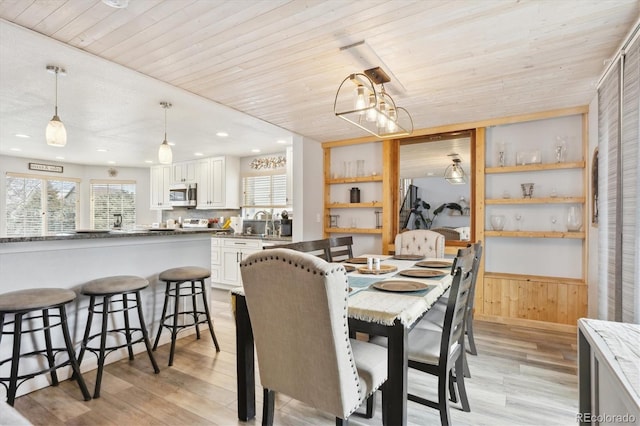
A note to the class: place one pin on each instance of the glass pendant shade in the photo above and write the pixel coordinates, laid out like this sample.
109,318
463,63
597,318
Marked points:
360,103
165,156
372,114
454,174
56,134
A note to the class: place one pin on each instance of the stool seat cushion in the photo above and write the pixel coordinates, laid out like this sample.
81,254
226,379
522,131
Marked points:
34,299
185,273
114,285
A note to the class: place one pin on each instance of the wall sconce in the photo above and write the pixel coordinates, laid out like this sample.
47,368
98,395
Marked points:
454,174
371,109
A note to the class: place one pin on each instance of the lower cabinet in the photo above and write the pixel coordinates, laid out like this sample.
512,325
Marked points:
226,255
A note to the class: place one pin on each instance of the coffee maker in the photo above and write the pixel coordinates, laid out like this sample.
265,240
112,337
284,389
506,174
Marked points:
286,224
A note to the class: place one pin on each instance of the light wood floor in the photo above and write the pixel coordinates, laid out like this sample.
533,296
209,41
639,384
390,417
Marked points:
520,377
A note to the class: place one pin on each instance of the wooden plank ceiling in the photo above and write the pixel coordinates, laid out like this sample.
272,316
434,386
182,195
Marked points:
280,61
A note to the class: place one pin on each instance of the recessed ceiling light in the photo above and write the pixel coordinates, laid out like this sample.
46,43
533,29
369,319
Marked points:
222,134
101,150
111,162
15,149
59,157
148,161
22,135
198,154
430,174
255,150
281,141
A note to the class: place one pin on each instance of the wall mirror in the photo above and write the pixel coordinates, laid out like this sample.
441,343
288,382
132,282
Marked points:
437,170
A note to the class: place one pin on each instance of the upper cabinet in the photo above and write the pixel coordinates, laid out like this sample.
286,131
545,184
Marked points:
218,181
184,172
161,179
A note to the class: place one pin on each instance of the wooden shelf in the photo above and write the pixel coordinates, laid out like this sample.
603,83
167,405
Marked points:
374,178
534,234
354,230
353,205
541,200
535,167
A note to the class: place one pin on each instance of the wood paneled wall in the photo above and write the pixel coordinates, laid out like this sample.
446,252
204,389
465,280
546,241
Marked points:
555,300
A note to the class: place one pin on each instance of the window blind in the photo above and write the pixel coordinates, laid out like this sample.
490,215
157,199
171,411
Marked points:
112,197
264,190
39,205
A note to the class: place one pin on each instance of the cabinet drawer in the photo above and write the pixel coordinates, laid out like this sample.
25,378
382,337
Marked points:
242,243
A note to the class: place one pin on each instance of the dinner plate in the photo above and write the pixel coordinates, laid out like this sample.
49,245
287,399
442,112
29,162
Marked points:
422,273
384,269
357,260
435,264
92,231
349,268
408,257
400,286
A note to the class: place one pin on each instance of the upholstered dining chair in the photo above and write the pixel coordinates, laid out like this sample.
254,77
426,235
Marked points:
440,352
298,309
420,241
340,248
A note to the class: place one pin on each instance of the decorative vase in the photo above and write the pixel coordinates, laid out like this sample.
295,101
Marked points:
574,219
497,222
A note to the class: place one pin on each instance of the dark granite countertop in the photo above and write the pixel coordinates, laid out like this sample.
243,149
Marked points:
138,233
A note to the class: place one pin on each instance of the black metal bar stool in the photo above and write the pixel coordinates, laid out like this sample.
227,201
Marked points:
118,294
37,309
187,281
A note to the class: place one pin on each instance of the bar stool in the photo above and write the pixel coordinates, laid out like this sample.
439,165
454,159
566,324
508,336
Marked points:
110,289
24,305
189,279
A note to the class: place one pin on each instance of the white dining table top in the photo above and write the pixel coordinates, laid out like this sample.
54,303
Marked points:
384,307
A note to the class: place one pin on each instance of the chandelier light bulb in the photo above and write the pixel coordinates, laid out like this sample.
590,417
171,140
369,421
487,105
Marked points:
392,126
382,115
372,113
360,103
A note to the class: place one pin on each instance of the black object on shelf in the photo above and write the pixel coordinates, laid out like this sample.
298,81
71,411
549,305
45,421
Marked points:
355,195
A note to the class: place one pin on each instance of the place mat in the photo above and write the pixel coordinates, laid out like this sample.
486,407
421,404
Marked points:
422,273
92,231
384,269
357,260
408,257
435,264
400,285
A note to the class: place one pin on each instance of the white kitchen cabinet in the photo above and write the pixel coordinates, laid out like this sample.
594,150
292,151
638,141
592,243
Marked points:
159,183
184,172
229,253
218,181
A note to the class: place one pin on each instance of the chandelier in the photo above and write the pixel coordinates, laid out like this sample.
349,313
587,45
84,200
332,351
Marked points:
454,174
369,108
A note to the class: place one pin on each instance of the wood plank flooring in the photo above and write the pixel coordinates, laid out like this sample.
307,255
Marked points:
521,376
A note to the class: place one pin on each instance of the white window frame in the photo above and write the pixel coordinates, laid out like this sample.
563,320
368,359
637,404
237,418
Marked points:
270,175
109,182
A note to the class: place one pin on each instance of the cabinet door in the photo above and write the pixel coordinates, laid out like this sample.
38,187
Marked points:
184,172
160,179
217,182
230,273
203,178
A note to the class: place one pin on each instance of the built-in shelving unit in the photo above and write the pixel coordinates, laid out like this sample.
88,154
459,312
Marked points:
541,200
535,234
535,167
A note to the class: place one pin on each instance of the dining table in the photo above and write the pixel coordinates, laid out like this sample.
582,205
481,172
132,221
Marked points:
388,302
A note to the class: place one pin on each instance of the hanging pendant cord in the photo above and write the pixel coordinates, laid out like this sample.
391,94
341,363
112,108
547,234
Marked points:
56,92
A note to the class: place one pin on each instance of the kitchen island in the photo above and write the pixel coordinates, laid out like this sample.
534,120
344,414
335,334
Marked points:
70,260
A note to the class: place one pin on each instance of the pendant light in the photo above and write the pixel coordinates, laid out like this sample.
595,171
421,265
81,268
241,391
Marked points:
454,174
56,134
165,156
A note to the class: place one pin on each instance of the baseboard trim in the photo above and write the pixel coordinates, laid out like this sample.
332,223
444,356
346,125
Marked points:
543,325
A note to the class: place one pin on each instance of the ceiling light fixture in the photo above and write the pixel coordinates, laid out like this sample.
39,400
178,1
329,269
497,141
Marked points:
118,4
165,156
454,174
56,134
371,109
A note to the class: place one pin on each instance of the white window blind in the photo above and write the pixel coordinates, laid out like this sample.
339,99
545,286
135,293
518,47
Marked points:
264,190
112,197
40,205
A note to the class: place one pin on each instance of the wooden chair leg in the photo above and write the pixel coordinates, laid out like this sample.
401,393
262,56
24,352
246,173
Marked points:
342,422
443,401
268,407
371,406
464,400
452,389
469,331
465,366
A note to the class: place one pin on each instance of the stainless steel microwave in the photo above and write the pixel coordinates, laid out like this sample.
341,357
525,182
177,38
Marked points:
183,194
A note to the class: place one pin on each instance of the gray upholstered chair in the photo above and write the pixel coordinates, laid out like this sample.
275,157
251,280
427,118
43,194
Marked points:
319,248
420,241
298,309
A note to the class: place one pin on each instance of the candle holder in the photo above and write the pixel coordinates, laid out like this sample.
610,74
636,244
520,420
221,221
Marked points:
333,220
527,190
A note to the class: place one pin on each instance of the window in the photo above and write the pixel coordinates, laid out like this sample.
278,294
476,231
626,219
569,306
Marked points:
38,205
109,198
265,190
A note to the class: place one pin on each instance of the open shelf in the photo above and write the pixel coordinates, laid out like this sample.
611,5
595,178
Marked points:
535,167
353,230
353,205
540,200
535,234
373,178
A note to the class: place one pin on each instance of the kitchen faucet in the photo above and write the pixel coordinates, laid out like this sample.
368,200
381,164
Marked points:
261,212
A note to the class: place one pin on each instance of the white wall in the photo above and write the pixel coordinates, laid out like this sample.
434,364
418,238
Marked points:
308,179
144,215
